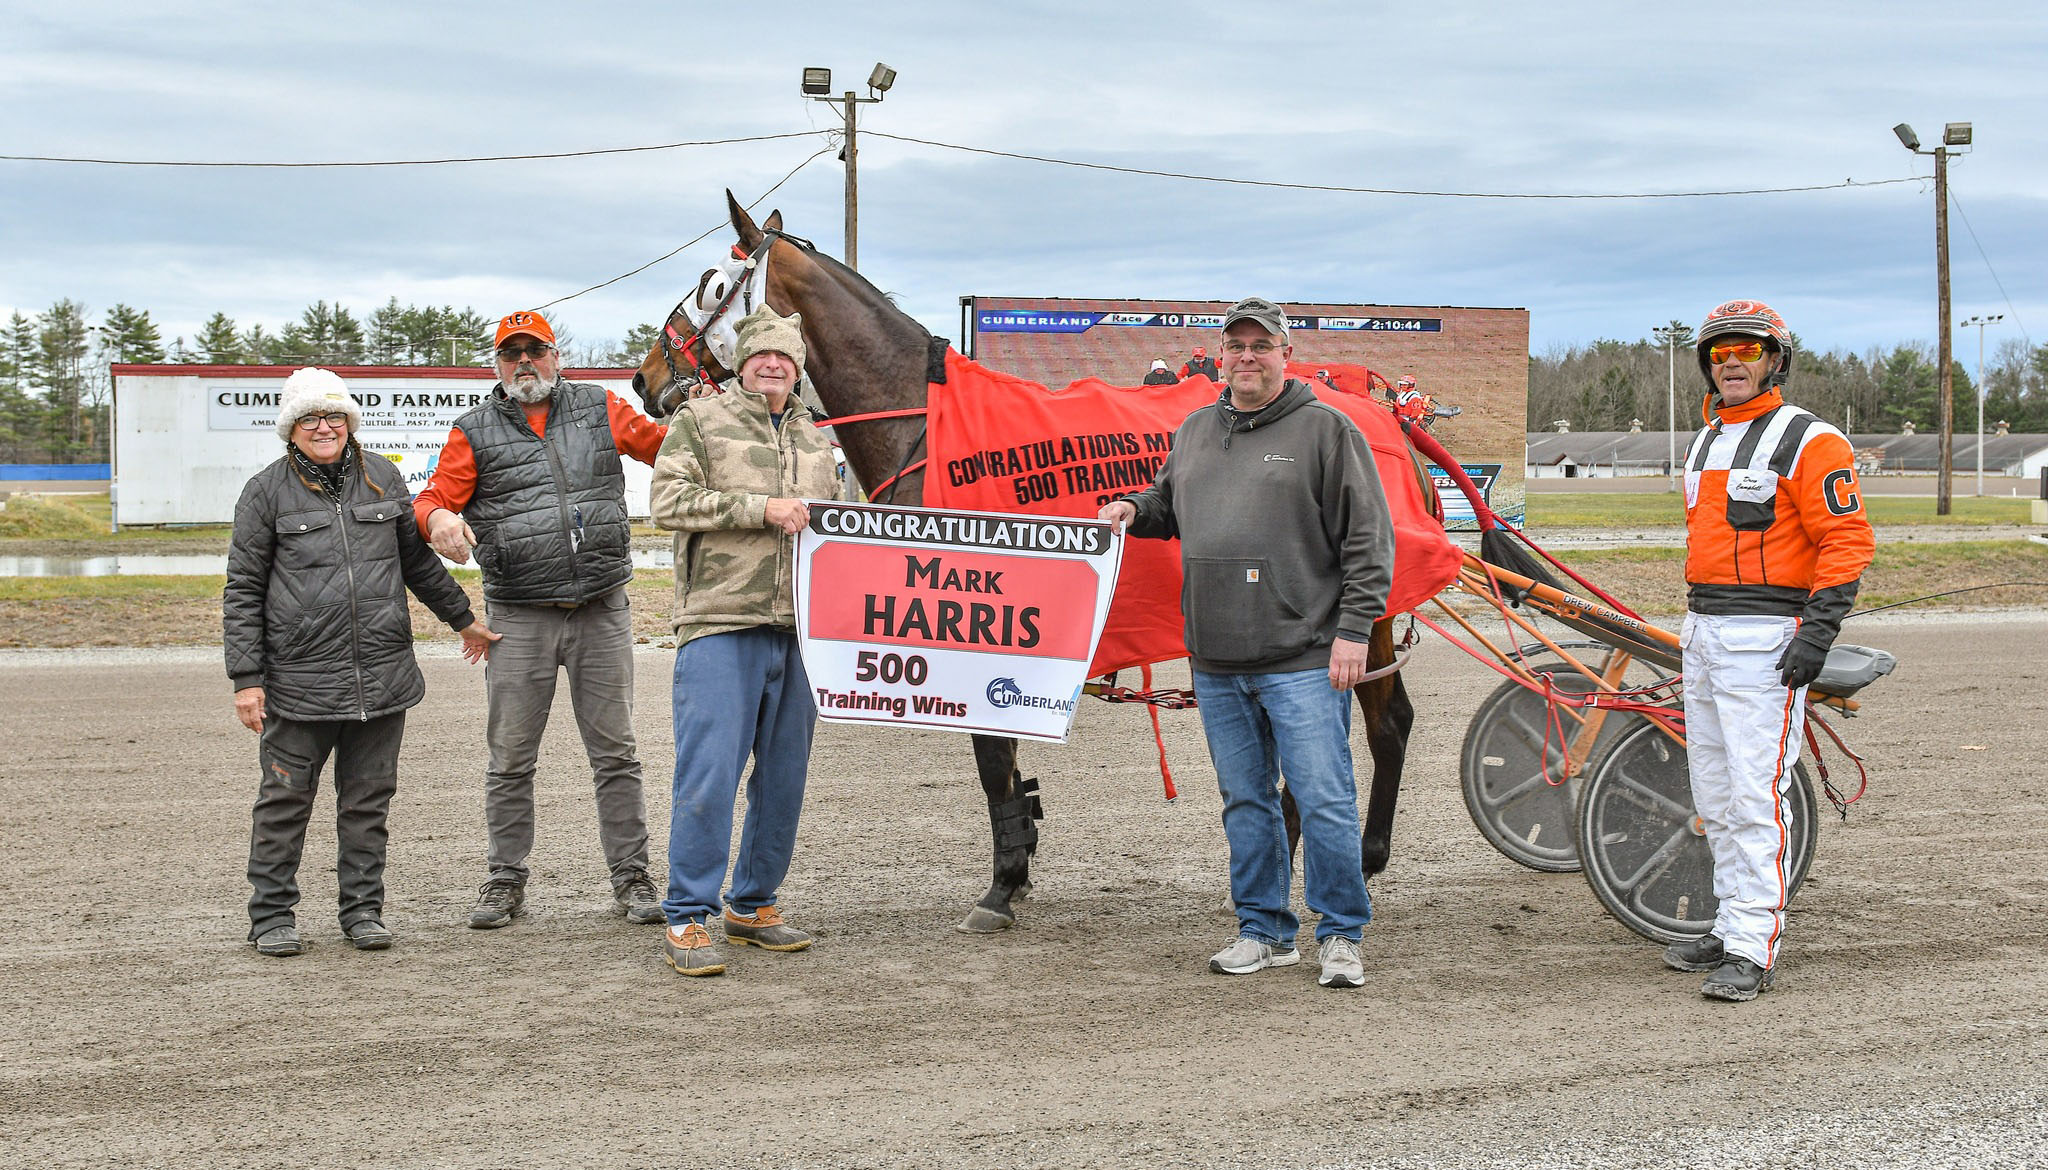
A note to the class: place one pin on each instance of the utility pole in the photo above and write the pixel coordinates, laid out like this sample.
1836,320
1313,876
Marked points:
1668,334
1953,134
817,86
1980,321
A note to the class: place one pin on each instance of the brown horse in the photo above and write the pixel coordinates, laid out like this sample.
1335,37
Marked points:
867,356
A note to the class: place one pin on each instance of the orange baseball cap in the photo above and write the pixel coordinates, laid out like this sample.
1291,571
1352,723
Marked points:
530,323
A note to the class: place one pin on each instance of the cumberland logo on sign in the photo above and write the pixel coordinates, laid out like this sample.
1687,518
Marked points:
963,621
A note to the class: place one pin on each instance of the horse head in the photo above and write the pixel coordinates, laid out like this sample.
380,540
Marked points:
864,354
694,353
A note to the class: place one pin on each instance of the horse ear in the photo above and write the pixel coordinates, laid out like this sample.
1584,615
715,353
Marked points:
742,223
774,221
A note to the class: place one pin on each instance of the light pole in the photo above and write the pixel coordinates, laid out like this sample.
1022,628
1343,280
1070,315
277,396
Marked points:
1980,321
1668,334
1953,134
817,86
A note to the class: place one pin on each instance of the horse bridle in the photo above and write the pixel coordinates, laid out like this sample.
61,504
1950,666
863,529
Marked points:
674,341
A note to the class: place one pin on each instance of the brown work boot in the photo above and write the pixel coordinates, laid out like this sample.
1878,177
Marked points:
764,928
689,949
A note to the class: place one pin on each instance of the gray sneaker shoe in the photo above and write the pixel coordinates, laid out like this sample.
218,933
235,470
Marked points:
496,902
1737,980
1342,966
280,942
689,949
1247,955
764,928
637,900
367,934
1694,954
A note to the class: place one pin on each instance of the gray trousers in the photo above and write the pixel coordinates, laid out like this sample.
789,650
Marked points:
594,645
365,777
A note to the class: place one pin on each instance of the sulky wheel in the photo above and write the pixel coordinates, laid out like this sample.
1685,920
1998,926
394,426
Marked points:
1643,850
1506,770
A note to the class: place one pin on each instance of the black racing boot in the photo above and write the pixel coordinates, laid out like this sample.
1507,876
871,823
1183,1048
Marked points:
1694,954
1737,980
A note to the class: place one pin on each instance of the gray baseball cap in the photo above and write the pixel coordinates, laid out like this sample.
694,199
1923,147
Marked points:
1265,313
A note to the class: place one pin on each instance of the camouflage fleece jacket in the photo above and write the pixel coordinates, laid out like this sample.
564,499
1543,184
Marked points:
722,461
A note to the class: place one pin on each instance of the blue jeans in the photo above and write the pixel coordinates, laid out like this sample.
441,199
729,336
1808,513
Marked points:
736,694
1261,726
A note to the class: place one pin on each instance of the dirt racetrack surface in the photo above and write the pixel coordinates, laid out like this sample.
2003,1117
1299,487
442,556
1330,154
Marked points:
1506,1021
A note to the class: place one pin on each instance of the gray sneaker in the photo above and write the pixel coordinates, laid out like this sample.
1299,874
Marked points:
280,942
764,928
497,901
367,934
1694,954
1341,965
637,900
1247,955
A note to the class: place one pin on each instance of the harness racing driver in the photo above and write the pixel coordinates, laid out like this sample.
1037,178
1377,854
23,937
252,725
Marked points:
1776,544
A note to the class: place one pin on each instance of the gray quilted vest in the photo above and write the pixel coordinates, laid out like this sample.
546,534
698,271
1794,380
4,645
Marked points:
549,515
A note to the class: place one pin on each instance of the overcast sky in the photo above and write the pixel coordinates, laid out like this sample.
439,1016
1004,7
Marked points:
1494,97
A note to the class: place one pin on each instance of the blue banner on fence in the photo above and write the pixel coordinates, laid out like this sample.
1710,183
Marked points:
55,471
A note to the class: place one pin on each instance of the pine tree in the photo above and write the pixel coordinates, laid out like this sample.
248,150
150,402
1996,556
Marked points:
324,335
62,341
219,342
21,413
128,335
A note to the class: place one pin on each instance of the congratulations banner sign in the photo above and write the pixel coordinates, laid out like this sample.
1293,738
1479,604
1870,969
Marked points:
962,621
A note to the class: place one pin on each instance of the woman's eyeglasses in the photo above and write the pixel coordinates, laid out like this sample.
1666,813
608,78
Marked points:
312,422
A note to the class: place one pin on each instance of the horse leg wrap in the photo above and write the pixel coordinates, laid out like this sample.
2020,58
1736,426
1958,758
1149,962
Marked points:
1015,820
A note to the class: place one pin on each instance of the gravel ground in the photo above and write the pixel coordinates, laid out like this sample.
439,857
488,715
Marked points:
1506,1020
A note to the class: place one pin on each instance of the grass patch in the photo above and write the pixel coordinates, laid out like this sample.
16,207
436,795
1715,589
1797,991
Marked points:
137,588
53,518
1653,579
1667,510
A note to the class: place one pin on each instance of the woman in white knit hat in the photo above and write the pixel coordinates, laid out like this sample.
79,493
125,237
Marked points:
319,650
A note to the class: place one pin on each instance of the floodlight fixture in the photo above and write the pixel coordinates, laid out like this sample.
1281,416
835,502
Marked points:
883,77
817,81
1955,134
1907,138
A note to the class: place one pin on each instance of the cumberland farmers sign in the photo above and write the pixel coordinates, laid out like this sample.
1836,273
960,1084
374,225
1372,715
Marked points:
962,621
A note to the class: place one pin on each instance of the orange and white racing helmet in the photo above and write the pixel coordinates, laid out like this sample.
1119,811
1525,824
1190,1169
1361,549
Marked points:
1746,319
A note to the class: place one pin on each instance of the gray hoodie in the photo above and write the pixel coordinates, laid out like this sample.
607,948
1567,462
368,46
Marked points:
1286,543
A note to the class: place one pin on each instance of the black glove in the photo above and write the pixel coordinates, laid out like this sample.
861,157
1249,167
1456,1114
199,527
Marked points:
1800,663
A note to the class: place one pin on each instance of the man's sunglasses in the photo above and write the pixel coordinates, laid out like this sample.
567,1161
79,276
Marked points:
1741,351
311,422
513,353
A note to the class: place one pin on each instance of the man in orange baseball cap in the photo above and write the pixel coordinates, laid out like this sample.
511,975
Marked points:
531,480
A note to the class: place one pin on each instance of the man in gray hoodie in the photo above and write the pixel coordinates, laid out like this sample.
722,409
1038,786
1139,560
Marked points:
1287,551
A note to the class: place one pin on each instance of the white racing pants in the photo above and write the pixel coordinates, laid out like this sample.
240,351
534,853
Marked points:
1743,732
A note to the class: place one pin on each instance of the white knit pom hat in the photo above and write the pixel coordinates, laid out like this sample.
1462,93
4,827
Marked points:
315,391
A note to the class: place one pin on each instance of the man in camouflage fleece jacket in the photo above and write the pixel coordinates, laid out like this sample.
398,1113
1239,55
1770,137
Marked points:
732,480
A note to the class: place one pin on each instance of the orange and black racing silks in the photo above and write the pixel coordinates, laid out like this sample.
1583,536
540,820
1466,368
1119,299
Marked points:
1774,517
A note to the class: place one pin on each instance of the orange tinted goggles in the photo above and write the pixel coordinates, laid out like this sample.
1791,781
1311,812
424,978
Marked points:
1741,351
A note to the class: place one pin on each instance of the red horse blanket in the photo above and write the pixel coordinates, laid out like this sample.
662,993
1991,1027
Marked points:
1003,444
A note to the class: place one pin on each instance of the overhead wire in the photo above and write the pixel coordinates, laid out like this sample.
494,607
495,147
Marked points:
2009,306
404,162
1094,166
690,242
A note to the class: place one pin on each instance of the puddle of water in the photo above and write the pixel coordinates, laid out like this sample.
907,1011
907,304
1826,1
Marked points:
134,565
